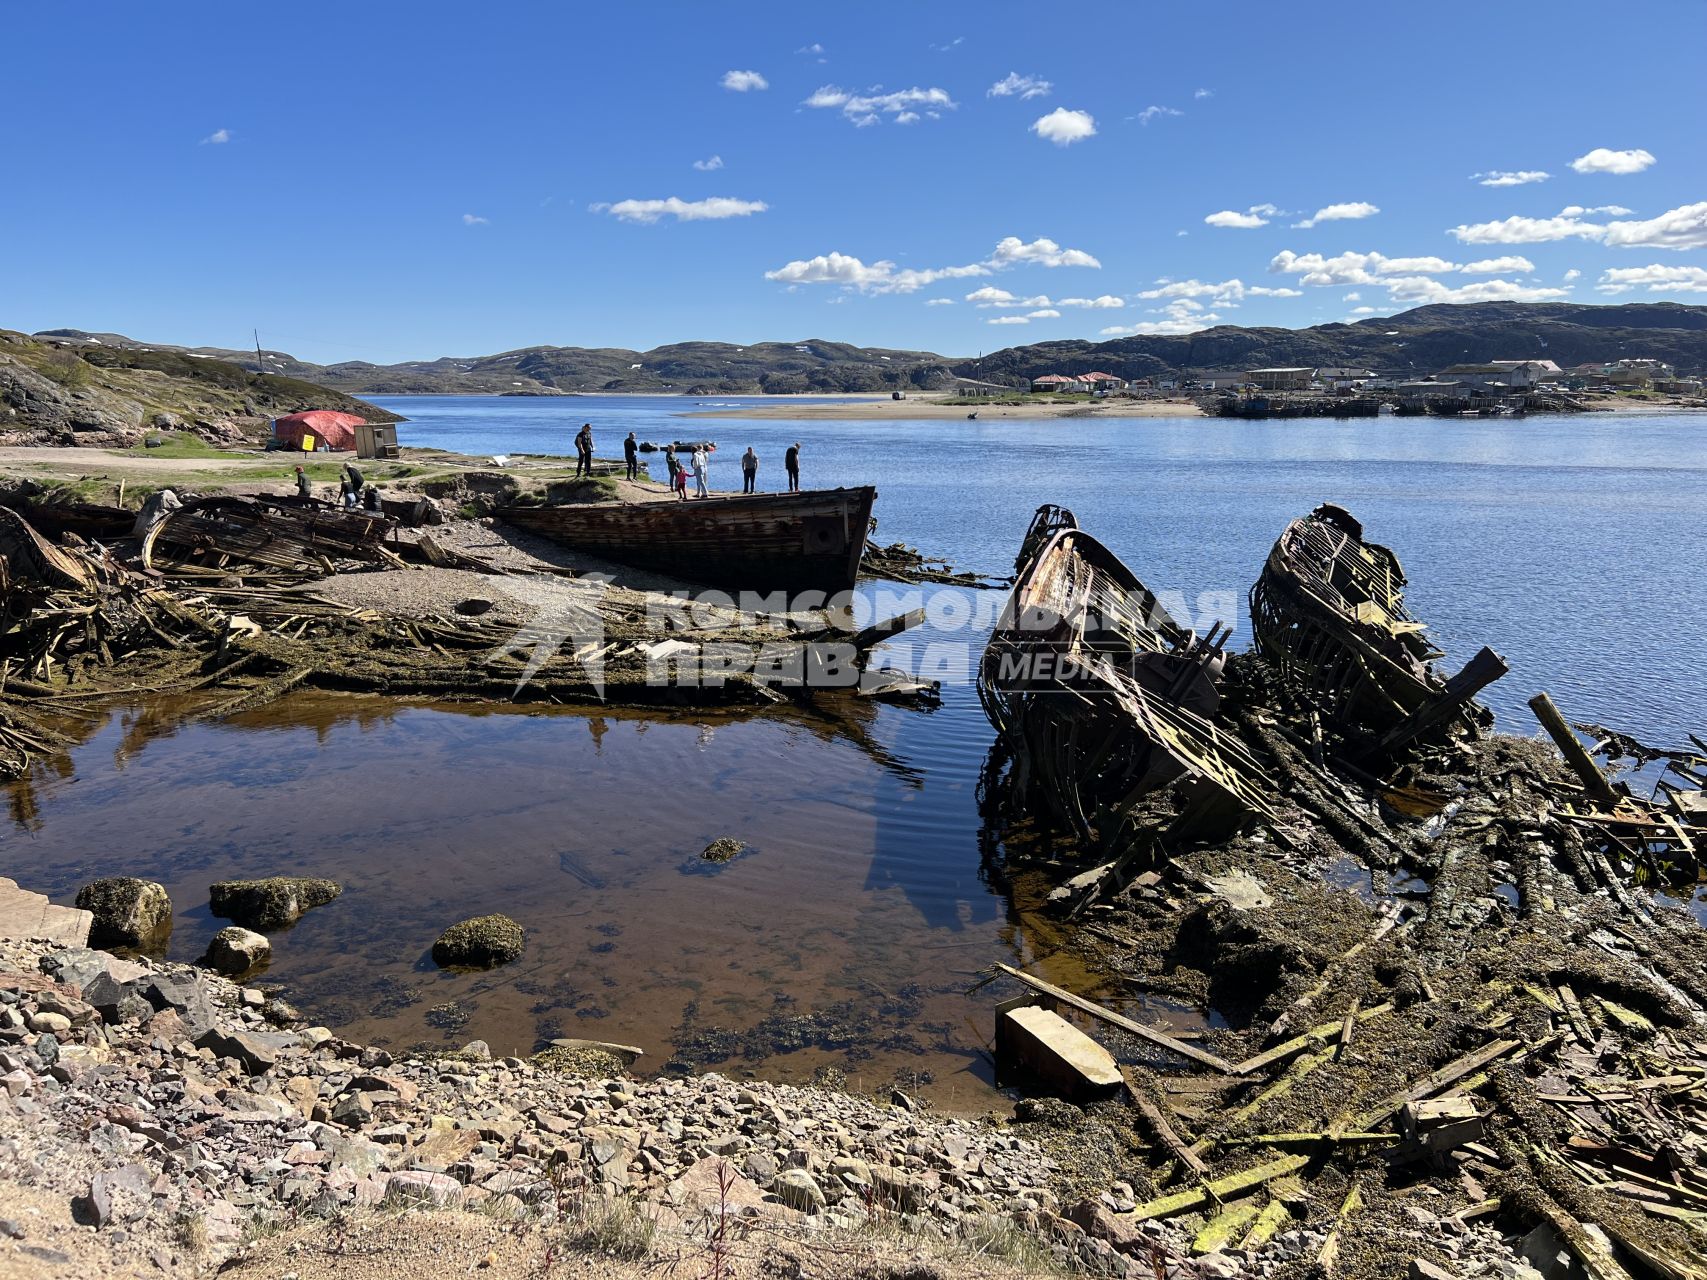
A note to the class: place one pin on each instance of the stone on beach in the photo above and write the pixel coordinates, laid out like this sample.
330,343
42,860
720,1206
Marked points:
30,915
235,952
480,943
272,903
127,912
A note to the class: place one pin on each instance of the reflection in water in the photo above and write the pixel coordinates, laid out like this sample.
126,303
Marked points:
846,938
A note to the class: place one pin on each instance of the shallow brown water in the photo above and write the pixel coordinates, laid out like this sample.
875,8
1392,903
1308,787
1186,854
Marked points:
846,938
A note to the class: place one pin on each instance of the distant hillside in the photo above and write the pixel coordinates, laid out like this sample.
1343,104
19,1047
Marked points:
72,391
1416,342
694,368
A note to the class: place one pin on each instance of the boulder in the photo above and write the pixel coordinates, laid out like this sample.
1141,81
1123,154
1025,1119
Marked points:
480,943
273,903
235,952
798,1190
255,1051
183,995
127,913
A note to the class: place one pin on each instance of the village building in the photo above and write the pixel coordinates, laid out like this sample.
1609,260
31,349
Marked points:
1344,379
1051,382
1280,379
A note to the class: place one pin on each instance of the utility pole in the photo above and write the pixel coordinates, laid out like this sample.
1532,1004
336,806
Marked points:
260,364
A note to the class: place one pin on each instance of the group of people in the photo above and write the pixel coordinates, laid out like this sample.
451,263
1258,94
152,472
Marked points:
353,492
697,465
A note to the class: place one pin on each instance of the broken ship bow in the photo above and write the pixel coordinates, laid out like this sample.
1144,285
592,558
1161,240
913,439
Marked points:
1101,698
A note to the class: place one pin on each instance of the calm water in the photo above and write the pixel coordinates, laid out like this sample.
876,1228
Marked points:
848,937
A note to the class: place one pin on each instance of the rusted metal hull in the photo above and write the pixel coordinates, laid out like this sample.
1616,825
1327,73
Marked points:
1102,698
809,541
1329,612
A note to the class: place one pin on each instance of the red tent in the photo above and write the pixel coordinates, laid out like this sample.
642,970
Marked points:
333,430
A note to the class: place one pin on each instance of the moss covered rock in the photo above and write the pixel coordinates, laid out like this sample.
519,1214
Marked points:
480,943
273,903
128,913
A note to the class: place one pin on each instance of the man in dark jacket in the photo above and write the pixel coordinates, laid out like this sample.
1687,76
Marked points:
791,464
631,455
584,451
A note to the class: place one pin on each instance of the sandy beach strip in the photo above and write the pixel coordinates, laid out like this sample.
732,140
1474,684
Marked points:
887,410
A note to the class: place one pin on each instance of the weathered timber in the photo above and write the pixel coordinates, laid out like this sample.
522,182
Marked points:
807,541
1165,1041
1219,1189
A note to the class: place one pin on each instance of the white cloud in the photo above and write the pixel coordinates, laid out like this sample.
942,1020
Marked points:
1520,230
939,302
865,109
1602,160
474,220
1064,127
744,81
1204,93
708,164
1105,302
1224,293
1042,251
711,208
1353,296
1510,177
1364,311
1181,316
1340,212
1425,290
1232,218
1008,320
1493,266
813,48
1023,86
1352,268
1573,274
1155,113
1656,279
1584,211
1684,227
217,137
1048,313
884,277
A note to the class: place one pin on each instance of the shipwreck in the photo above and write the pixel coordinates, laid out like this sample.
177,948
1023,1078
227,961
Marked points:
1329,614
1101,697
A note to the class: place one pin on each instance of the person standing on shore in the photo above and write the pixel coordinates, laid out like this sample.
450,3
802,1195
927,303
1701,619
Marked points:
671,465
631,455
749,470
699,472
584,451
791,463
352,486
302,487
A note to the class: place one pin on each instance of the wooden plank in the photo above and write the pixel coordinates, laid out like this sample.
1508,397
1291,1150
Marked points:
1159,1125
1165,1041
1220,1189
1268,1222
1451,1073
1331,1246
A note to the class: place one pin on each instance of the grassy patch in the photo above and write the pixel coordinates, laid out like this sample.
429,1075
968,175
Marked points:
178,444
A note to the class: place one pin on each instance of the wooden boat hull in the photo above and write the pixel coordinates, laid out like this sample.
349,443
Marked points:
1102,698
1329,611
808,541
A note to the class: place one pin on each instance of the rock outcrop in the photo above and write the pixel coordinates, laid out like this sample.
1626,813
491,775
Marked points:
127,913
236,951
481,943
276,902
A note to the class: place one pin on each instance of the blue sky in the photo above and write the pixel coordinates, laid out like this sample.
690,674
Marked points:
387,181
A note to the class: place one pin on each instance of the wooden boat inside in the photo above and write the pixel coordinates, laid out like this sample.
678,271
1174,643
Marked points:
806,541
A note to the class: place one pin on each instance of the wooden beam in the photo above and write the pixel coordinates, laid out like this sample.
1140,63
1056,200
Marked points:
1165,1041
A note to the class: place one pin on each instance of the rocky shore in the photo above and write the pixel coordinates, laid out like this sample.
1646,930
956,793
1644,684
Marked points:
160,1119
